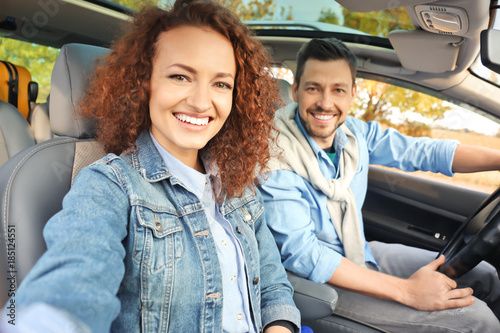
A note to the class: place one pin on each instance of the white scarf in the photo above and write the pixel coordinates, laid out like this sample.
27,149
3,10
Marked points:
300,158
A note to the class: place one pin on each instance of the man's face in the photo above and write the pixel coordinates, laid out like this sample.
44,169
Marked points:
324,96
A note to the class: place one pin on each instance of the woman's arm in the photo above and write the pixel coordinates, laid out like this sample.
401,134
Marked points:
277,292
83,267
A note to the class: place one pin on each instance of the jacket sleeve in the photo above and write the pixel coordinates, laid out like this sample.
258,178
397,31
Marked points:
277,292
393,149
82,269
288,215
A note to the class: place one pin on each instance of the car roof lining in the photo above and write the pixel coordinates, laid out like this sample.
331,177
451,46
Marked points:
46,23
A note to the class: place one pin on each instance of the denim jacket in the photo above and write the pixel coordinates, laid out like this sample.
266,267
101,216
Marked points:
132,251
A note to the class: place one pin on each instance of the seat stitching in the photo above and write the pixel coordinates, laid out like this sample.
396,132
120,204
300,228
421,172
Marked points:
14,172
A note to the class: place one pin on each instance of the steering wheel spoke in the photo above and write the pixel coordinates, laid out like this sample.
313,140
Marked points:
476,240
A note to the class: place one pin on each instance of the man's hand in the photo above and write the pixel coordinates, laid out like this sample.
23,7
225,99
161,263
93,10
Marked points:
426,289
430,290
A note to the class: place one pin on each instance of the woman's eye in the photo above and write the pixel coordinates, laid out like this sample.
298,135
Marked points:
223,85
179,77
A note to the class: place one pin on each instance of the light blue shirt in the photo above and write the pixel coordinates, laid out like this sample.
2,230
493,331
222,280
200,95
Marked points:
236,310
297,213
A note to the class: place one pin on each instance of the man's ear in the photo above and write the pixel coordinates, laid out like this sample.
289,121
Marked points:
294,91
354,90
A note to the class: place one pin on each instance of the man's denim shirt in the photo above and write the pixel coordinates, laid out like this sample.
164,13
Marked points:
297,213
132,251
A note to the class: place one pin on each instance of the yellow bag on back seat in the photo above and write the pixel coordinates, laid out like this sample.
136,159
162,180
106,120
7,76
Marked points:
14,82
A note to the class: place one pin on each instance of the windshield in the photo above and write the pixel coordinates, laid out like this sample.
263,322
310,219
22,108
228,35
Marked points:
378,23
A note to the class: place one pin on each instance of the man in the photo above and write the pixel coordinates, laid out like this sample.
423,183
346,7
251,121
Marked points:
314,196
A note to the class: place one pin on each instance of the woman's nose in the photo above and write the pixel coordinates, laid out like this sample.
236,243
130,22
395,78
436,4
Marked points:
199,98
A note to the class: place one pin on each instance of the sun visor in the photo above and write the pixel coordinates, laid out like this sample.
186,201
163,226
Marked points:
423,51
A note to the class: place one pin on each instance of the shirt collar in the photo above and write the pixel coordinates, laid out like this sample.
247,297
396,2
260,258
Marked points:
191,178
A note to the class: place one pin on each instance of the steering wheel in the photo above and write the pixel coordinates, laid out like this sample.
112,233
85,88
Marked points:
477,239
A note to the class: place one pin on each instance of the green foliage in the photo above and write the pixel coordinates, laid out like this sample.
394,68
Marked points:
378,23
378,100
257,10
245,10
137,5
328,16
38,59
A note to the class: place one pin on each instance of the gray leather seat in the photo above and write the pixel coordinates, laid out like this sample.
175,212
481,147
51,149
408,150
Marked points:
34,182
285,90
40,122
15,132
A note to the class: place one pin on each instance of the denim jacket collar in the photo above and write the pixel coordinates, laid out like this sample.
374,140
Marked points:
147,160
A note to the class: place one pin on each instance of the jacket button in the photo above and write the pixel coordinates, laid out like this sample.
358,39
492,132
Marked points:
159,227
238,230
256,280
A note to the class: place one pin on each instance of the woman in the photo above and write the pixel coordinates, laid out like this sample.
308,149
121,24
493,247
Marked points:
167,232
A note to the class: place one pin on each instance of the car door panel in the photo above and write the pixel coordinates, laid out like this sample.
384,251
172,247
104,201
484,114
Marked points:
402,208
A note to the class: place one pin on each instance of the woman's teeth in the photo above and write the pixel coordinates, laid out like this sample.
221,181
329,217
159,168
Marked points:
192,120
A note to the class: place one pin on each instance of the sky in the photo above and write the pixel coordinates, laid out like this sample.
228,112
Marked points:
456,119
307,10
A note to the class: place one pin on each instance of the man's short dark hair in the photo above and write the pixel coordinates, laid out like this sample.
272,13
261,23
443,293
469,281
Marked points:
325,50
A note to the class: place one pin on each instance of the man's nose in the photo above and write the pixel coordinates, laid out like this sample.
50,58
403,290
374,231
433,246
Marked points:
327,101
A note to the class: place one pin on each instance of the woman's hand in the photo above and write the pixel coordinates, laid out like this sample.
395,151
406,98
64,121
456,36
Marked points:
277,329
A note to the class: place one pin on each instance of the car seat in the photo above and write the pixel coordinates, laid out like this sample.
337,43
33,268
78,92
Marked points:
34,182
285,91
15,132
40,122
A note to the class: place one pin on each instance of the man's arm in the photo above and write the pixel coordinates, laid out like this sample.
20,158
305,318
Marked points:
474,159
426,289
287,203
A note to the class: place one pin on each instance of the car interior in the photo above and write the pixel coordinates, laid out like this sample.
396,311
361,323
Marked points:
43,149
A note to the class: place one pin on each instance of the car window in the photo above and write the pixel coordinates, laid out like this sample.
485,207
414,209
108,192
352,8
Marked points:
37,59
281,71
420,113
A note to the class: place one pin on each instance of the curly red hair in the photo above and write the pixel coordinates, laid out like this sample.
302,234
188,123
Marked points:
118,97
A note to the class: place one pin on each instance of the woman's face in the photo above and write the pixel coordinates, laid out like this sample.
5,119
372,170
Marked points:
192,86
